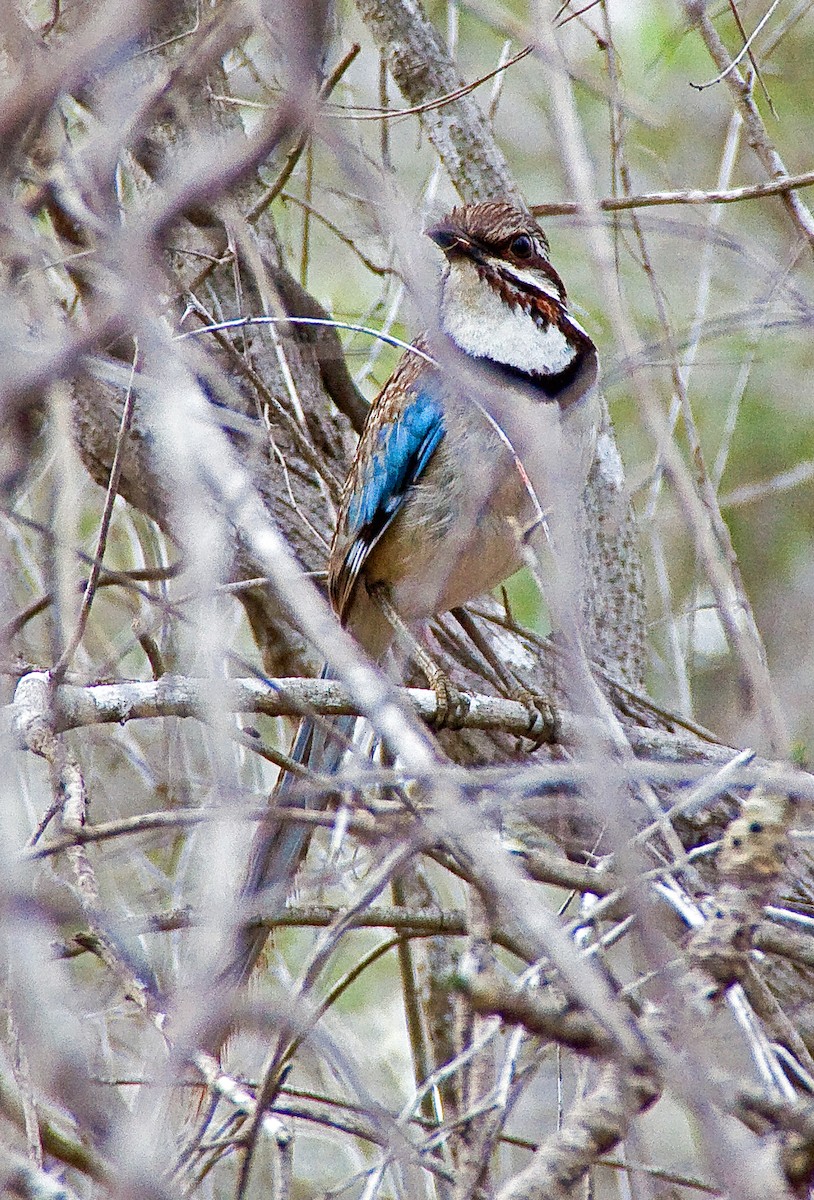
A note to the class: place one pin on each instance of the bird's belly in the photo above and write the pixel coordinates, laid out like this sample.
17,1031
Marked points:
461,531
452,543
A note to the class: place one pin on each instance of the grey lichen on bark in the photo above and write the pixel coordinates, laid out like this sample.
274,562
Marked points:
423,71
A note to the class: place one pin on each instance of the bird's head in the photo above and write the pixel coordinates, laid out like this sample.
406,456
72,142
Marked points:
502,299
503,244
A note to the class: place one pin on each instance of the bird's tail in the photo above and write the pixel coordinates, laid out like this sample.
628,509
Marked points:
280,845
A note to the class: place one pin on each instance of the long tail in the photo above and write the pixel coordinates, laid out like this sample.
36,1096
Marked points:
279,846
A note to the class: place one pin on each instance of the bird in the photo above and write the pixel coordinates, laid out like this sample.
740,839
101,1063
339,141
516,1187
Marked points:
436,503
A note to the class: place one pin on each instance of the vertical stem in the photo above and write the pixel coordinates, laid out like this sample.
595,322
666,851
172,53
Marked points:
414,1013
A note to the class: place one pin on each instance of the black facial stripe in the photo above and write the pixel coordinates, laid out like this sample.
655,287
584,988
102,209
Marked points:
529,287
541,306
550,385
487,260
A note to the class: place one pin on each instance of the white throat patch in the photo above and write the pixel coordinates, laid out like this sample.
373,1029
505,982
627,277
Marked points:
480,323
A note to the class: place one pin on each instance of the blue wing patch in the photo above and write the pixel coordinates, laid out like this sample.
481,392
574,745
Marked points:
399,456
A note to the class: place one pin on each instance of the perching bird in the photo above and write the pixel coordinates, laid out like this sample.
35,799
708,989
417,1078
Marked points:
436,500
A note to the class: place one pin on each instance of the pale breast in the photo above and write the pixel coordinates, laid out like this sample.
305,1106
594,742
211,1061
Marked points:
482,324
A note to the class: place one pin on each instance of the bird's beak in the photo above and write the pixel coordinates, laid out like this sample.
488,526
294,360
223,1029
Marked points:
452,240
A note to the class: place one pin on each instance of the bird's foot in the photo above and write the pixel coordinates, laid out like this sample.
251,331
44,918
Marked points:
544,721
544,724
451,704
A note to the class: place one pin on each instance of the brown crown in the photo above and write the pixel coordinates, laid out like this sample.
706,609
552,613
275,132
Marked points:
492,223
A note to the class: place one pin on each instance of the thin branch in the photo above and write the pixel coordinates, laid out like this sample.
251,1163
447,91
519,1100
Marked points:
754,191
757,135
65,658
746,49
441,101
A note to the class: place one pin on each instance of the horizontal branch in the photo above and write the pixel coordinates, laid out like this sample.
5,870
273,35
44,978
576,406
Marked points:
410,922
547,1013
363,823
683,757
754,191
70,706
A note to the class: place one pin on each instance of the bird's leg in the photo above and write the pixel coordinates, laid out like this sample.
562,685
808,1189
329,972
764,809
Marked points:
451,705
543,720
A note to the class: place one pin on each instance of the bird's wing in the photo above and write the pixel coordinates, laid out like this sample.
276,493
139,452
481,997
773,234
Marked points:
397,444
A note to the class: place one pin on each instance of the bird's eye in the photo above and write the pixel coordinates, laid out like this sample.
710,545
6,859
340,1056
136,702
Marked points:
522,246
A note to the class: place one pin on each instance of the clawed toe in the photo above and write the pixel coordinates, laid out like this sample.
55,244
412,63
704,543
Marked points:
544,721
451,704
